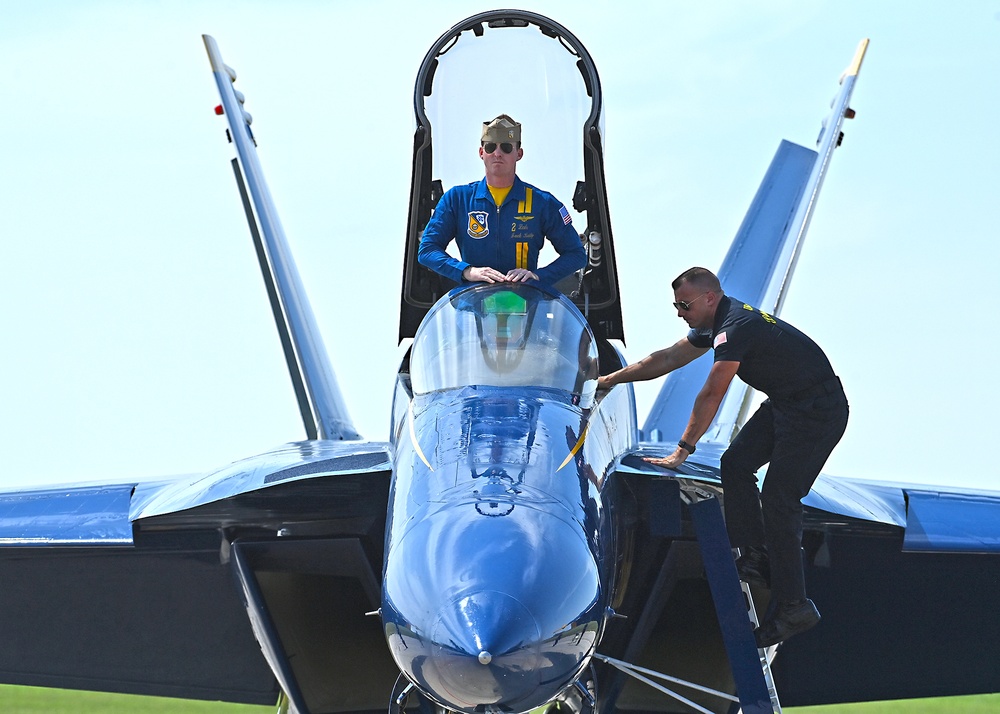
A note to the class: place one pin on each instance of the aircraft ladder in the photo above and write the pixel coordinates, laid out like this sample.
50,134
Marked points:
733,604
766,654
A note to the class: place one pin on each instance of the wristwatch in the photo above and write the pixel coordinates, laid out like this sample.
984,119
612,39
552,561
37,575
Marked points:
686,446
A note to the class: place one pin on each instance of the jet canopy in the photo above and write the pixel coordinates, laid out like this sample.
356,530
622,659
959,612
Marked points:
533,69
505,336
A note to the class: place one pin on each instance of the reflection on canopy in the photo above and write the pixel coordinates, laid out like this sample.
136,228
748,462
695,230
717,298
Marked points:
505,336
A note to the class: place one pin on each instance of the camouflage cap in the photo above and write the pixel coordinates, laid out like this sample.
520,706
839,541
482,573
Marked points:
502,129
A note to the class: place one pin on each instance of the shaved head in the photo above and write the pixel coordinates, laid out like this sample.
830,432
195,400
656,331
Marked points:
700,278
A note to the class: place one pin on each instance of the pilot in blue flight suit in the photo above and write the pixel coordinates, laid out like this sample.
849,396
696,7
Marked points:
501,222
794,430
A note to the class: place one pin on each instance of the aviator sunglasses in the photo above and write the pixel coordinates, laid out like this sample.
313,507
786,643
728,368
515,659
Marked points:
686,305
490,146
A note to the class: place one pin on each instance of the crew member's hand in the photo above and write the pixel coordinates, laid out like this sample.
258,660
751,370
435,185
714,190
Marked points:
519,275
671,462
482,275
604,382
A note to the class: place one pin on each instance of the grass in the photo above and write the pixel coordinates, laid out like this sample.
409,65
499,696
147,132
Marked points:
973,704
37,700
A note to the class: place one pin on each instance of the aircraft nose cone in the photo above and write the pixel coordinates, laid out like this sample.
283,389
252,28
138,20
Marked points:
485,621
492,609
487,649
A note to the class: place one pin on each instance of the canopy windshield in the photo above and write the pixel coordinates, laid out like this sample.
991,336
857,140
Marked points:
505,336
518,71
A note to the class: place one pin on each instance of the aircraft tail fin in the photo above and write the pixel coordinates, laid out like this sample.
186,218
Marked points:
321,405
760,263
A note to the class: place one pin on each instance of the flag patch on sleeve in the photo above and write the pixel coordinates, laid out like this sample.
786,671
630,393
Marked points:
720,339
565,215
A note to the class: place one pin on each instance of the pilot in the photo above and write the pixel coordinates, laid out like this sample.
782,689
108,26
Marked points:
794,430
501,222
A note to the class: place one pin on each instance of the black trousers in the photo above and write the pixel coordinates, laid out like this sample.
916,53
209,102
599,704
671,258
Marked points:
795,436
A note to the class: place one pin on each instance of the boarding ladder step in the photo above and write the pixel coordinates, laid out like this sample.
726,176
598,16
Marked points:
751,673
766,653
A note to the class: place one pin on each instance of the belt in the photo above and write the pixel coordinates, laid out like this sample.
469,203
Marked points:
830,386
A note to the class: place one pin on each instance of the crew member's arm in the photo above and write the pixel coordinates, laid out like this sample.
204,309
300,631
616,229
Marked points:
562,235
706,404
655,365
440,231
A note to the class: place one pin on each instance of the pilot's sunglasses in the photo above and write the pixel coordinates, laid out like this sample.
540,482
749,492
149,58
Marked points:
490,146
686,305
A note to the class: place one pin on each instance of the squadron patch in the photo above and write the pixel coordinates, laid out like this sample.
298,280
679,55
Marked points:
720,339
478,224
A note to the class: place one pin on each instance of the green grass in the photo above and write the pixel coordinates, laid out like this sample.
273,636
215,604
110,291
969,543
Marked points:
36,700
974,704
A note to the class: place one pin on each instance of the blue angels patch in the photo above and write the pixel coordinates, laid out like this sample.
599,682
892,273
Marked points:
478,225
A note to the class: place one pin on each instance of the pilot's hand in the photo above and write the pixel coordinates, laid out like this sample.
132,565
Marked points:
482,275
519,275
671,462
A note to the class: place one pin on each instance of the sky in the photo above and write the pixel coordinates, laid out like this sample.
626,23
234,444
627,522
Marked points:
138,341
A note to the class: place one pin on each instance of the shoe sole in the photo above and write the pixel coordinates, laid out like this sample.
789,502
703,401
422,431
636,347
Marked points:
790,632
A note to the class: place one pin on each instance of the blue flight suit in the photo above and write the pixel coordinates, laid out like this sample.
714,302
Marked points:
501,238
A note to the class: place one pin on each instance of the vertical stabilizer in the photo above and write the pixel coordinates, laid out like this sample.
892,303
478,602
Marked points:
759,264
320,402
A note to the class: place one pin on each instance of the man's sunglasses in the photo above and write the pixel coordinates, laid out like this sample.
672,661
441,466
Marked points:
490,146
686,305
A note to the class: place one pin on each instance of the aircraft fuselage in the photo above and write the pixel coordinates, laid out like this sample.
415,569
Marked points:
499,548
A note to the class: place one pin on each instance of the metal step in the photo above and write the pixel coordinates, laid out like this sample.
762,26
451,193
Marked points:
766,653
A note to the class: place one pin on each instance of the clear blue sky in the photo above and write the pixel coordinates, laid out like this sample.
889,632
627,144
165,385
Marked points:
137,338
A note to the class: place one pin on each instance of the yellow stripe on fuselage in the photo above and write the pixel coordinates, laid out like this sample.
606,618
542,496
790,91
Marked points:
576,447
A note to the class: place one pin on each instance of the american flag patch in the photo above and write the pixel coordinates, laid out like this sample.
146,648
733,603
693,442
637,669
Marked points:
720,339
565,215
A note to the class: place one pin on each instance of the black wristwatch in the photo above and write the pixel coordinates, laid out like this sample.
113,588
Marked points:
686,446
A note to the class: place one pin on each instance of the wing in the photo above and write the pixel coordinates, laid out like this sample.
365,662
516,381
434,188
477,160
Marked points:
130,587
905,575
233,585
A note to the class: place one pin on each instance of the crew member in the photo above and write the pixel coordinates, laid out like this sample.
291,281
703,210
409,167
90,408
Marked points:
501,222
794,430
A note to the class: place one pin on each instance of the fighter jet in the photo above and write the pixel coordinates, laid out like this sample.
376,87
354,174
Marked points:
507,548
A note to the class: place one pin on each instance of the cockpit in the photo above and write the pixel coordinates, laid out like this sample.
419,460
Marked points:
525,65
505,336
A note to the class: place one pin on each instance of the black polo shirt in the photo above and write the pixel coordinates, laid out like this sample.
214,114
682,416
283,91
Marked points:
775,358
